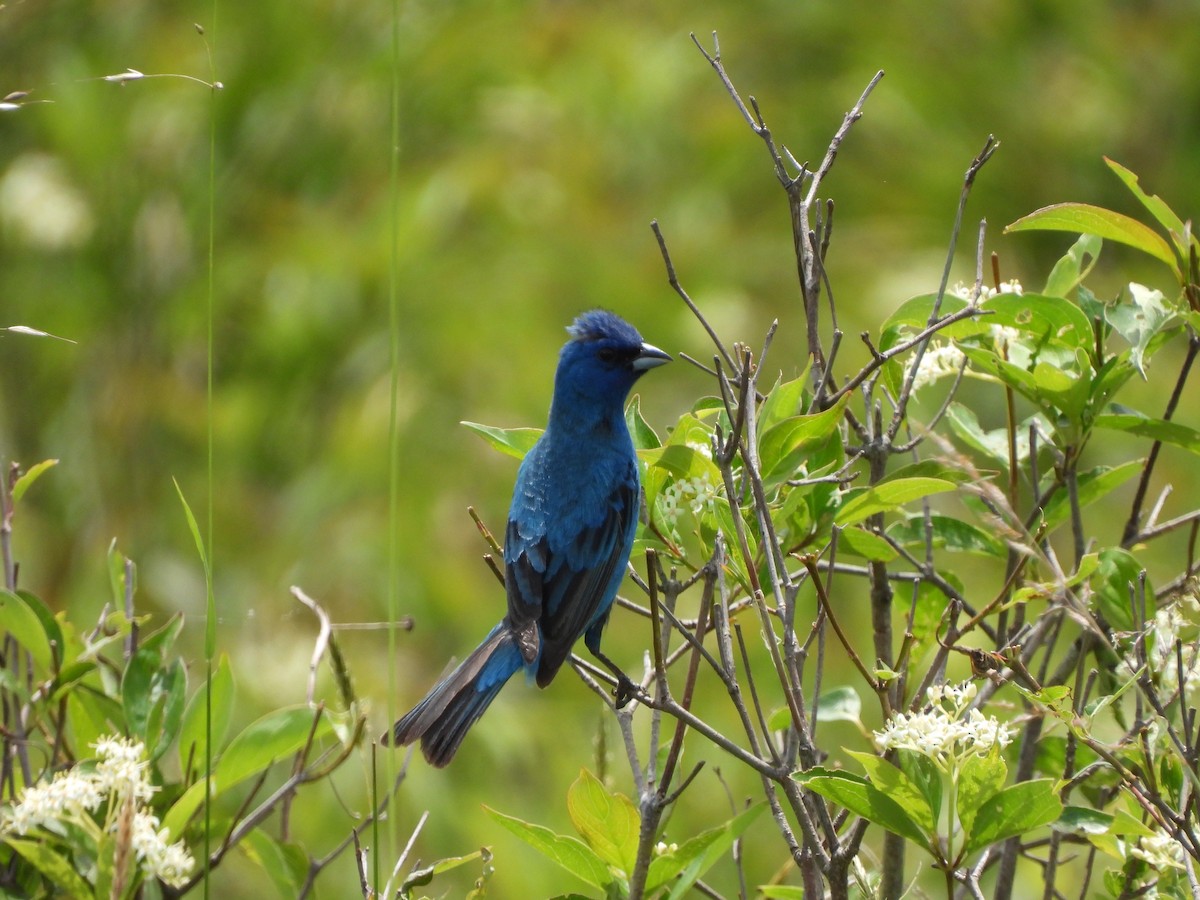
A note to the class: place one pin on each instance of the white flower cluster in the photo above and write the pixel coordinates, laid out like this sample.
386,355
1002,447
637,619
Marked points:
937,362
122,773
965,291
696,494
1161,852
947,732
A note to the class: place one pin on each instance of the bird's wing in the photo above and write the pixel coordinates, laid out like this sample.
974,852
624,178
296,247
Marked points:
568,585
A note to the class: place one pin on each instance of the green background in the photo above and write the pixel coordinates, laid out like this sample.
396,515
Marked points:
536,143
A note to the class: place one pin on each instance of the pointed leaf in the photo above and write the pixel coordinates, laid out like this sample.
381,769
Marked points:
26,628
1015,810
1155,429
863,799
1081,218
570,853
192,730
511,441
887,497
893,782
607,820
1155,205
25,482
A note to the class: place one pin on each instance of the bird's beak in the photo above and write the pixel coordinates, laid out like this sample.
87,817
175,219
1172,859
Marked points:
650,357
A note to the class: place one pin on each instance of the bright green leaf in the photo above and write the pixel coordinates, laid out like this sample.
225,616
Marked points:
1073,267
1173,433
286,865
192,741
980,779
1155,205
570,853
1015,810
886,497
26,628
1082,218
606,820
857,541
511,441
55,867
897,786
839,704
32,474
863,799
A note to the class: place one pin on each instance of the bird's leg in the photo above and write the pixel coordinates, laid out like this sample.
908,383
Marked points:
626,689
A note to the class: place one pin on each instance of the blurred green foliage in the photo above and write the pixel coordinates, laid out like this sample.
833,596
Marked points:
537,141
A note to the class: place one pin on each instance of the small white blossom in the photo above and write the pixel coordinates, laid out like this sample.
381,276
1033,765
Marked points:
967,291
44,805
123,769
937,362
696,494
1160,852
159,858
947,732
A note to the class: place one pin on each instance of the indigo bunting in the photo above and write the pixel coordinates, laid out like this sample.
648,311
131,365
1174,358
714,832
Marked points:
570,531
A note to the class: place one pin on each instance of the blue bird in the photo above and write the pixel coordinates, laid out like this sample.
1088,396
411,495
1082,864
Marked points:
570,531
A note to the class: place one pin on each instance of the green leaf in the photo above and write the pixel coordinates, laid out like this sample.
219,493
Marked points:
426,874
785,400
511,441
1050,319
1155,205
887,496
980,779
897,786
32,474
863,799
55,867
1138,317
1085,821
1073,267
26,628
950,534
1115,580
694,857
285,864
860,542
640,431
1155,429
839,704
783,448
1090,487
570,853
192,741
263,742
1083,218
1014,810
606,820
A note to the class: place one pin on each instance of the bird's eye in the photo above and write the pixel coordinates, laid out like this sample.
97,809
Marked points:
607,354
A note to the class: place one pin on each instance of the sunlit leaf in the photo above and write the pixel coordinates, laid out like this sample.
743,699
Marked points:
1017,809
863,799
887,497
568,852
1082,218
1175,433
32,474
606,820
20,621
511,441
894,783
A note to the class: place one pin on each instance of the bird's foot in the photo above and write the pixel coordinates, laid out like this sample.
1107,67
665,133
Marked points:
625,691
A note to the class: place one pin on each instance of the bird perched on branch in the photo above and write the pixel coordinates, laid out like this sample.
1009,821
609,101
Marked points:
570,531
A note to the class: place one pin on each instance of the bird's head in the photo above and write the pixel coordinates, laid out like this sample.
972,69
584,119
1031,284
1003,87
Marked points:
603,358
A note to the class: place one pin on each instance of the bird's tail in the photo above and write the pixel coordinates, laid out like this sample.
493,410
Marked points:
442,719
